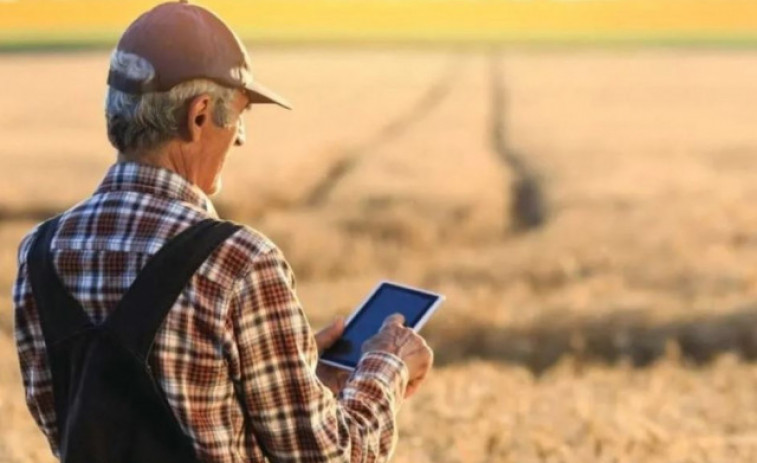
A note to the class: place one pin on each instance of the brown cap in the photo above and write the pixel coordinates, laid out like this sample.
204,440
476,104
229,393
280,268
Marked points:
185,42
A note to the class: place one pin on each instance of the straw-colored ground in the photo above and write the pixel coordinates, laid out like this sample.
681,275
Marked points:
590,216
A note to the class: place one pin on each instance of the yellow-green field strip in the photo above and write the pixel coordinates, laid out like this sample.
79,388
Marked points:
34,23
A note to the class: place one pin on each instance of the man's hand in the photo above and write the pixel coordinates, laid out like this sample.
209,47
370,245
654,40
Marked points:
405,343
334,378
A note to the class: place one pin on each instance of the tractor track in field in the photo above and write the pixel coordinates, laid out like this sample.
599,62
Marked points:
395,128
527,209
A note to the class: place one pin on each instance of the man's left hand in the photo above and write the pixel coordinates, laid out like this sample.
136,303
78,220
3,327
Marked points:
334,378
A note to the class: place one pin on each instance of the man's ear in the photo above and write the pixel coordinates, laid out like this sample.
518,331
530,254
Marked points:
198,116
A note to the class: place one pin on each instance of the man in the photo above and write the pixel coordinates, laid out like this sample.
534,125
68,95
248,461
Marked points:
235,356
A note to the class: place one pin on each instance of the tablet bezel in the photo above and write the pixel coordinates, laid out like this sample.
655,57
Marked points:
422,321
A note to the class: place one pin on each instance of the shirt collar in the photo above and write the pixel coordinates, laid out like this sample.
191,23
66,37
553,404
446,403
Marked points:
157,181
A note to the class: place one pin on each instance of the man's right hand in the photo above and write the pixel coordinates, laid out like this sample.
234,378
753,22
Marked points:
397,339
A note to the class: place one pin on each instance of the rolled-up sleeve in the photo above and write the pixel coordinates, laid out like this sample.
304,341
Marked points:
292,415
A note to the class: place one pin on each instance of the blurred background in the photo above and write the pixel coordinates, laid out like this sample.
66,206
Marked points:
577,176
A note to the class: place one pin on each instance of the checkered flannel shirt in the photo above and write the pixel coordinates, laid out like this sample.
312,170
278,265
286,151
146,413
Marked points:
238,322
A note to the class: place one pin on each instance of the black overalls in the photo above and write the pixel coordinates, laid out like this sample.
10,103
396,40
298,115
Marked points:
109,407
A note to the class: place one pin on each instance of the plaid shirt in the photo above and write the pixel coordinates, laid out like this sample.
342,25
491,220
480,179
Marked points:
238,322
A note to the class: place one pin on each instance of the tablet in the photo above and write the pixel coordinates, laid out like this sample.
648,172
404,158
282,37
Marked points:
387,298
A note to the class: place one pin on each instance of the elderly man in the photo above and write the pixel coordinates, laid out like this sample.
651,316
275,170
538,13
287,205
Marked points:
233,358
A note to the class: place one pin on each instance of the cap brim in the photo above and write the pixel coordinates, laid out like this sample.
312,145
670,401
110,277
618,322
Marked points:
259,93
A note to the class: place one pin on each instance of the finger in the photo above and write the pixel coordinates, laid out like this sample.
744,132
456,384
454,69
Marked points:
326,337
395,319
338,325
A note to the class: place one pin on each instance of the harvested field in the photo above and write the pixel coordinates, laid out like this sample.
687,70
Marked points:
589,215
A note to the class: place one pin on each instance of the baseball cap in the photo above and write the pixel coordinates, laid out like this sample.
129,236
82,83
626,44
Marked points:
184,42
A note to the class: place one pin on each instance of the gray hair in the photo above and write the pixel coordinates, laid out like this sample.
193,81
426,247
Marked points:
144,122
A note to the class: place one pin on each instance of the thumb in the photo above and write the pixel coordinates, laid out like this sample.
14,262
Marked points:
337,327
329,335
394,319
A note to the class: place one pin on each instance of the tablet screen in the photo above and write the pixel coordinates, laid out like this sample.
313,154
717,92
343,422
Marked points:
387,300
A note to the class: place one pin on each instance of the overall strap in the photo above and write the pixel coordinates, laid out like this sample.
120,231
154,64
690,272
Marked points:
140,313
61,316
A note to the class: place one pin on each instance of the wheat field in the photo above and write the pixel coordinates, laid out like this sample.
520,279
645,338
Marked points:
588,214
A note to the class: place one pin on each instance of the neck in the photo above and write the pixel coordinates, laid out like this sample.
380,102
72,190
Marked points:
169,156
